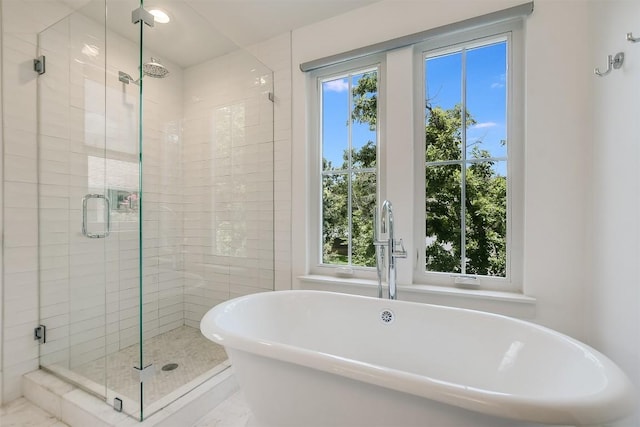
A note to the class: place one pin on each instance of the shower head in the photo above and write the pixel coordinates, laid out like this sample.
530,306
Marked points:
155,69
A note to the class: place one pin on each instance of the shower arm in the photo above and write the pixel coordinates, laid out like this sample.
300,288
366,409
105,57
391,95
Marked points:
126,78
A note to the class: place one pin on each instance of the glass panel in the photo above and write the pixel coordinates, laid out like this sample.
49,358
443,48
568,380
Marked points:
335,223
335,123
145,267
443,76
486,219
487,101
71,147
122,182
207,150
443,220
364,119
363,202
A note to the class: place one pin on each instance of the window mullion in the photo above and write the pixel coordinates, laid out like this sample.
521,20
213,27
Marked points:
468,161
319,185
350,173
463,166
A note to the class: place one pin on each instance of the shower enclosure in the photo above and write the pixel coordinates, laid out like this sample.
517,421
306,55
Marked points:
155,159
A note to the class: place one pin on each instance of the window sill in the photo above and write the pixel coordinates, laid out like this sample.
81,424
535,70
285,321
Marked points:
505,303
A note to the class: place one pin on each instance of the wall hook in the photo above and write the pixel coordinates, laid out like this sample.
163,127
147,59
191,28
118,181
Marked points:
632,39
613,62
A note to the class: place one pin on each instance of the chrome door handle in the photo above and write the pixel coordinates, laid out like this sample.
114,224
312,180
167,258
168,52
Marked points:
107,207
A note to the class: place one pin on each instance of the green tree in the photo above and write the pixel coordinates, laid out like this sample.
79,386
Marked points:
486,213
363,201
334,219
363,189
363,205
365,100
485,201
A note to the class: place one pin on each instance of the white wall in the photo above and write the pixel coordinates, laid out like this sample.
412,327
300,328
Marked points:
556,160
613,314
275,53
557,155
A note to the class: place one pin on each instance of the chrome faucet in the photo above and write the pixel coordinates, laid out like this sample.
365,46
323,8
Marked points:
395,249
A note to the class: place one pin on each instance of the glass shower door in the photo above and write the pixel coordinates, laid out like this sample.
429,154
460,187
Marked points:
74,214
89,202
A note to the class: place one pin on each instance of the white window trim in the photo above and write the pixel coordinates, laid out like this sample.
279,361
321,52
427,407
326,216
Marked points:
408,195
515,165
315,161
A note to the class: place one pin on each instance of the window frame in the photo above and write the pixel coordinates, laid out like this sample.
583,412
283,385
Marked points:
314,89
513,31
410,192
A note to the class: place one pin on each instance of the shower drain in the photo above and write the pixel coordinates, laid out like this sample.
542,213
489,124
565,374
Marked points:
169,366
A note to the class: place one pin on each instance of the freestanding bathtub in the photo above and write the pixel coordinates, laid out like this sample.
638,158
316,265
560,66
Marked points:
312,358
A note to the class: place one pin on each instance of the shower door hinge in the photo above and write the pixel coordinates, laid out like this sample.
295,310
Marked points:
145,374
39,64
140,14
117,404
40,334
271,96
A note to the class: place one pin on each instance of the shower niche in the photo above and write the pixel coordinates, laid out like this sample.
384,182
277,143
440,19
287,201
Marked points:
155,197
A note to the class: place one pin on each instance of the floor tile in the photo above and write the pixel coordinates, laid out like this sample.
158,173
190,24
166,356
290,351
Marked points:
22,413
233,412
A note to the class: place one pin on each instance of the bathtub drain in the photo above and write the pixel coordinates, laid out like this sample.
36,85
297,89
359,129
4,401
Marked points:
386,316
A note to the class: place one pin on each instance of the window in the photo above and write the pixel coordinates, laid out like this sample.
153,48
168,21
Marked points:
466,160
471,147
348,143
459,206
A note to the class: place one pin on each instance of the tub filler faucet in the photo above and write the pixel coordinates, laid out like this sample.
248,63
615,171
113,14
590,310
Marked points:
390,247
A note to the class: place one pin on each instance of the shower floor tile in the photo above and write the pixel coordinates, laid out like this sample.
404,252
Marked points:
184,346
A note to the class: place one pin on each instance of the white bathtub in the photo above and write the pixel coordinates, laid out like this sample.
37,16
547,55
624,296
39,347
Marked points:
310,358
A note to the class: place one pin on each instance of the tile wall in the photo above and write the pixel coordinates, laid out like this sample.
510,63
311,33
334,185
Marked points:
228,182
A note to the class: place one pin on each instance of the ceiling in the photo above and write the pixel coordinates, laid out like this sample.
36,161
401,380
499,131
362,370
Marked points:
203,29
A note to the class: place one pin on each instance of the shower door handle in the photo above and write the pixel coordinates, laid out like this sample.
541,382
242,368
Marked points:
107,208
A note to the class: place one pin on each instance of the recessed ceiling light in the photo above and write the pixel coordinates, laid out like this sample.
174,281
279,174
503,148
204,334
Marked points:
160,16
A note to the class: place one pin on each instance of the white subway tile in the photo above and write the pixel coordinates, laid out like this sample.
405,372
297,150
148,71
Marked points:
18,350
19,142
20,260
20,195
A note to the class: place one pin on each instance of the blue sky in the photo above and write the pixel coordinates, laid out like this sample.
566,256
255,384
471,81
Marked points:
486,92
336,114
486,95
